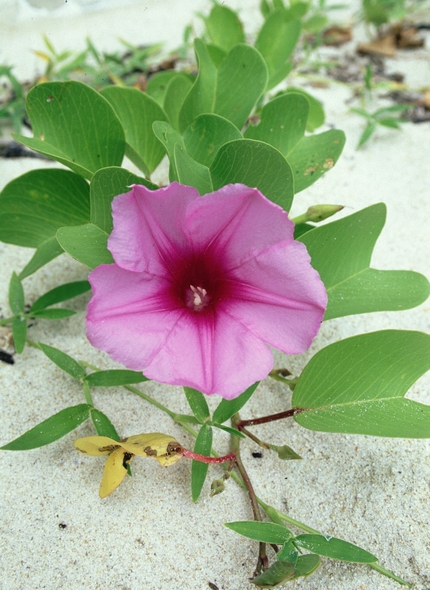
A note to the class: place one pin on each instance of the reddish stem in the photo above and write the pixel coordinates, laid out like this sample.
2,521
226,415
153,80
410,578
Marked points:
204,459
271,418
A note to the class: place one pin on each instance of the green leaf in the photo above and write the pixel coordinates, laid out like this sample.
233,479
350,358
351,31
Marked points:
334,548
106,184
288,552
231,431
51,429
254,164
367,133
158,83
47,251
86,243
313,155
114,377
199,470
53,314
276,42
176,91
16,295
169,138
64,361
265,532
36,204
198,404
282,123
75,125
224,27
232,90
19,331
391,123
137,111
341,253
61,293
217,54
191,172
285,453
227,408
278,572
283,571
357,386
206,134
103,425
316,116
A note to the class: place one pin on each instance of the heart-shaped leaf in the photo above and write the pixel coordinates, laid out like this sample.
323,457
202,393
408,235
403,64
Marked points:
276,42
35,205
206,134
75,125
137,112
232,90
313,155
106,184
282,122
341,253
86,243
255,164
224,27
357,386
316,115
191,172
176,91
169,138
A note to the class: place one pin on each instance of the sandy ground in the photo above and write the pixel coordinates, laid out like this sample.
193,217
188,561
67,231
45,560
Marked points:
57,533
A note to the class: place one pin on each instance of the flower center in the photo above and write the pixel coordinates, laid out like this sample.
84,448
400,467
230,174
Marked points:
197,298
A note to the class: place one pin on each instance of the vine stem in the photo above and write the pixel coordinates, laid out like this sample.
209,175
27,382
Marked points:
238,479
262,562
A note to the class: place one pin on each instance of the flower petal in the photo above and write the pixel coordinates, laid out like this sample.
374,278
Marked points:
211,354
279,297
129,315
114,471
148,227
236,222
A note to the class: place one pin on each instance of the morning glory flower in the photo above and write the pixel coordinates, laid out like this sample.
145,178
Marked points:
201,286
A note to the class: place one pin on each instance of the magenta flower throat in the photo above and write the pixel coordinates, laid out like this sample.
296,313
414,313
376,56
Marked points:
201,286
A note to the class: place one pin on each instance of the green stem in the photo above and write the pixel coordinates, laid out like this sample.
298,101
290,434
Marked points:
303,218
234,475
241,483
87,393
7,321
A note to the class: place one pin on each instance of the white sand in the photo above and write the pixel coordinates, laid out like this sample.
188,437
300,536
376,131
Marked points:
148,535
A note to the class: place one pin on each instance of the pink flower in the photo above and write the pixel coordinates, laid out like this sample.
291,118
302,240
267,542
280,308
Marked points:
201,286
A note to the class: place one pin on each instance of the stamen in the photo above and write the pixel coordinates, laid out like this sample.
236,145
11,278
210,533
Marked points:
198,298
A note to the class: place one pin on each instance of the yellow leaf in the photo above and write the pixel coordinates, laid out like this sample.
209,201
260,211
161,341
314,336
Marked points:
115,470
96,445
162,447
